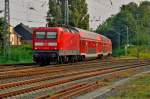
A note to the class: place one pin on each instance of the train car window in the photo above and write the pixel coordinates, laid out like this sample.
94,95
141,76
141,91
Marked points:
51,35
66,30
74,31
40,35
70,30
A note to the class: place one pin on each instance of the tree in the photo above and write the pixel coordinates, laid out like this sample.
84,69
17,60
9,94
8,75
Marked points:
1,33
135,18
79,16
54,11
78,12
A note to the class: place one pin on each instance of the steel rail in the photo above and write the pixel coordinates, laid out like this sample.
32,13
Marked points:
73,78
70,73
35,71
80,88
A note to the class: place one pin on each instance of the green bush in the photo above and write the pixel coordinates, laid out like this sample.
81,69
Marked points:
143,51
118,52
19,54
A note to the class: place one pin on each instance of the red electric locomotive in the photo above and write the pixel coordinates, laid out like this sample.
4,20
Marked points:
68,44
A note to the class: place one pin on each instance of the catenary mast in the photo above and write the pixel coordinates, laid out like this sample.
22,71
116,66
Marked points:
6,42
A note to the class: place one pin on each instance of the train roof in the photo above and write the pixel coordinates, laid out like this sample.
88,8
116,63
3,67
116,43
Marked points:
87,34
104,37
83,33
47,28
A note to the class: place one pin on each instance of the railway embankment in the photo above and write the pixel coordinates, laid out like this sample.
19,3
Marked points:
66,80
135,86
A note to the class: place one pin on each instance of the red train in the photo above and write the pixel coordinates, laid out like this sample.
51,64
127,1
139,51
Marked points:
68,44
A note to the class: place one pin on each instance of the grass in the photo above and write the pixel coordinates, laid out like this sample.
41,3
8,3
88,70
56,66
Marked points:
144,51
135,89
23,53
19,54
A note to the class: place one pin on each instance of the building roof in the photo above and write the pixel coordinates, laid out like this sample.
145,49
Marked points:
24,31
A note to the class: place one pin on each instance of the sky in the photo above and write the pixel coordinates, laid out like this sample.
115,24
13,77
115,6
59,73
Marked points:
20,12
33,12
100,10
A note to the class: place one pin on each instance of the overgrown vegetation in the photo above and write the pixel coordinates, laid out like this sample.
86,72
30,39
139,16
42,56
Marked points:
131,22
1,34
135,89
78,12
144,51
19,54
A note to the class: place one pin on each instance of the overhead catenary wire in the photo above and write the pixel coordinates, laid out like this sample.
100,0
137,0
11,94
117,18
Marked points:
33,21
29,12
98,18
44,3
108,4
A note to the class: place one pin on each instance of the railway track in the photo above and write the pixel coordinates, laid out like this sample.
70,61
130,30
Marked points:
17,74
27,68
66,73
10,67
32,72
15,65
83,87
69,74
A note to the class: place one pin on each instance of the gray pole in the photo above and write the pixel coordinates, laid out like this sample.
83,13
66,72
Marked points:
66,19
111,2
119,41
127,35
127,42
138,53
6,30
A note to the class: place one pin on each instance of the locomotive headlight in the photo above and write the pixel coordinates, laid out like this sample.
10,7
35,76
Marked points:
39,44
52,44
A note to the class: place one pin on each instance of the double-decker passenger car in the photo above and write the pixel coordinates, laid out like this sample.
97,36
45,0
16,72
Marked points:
68,44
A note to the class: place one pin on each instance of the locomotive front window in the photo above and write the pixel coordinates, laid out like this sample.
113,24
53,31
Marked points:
51,35
40,35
